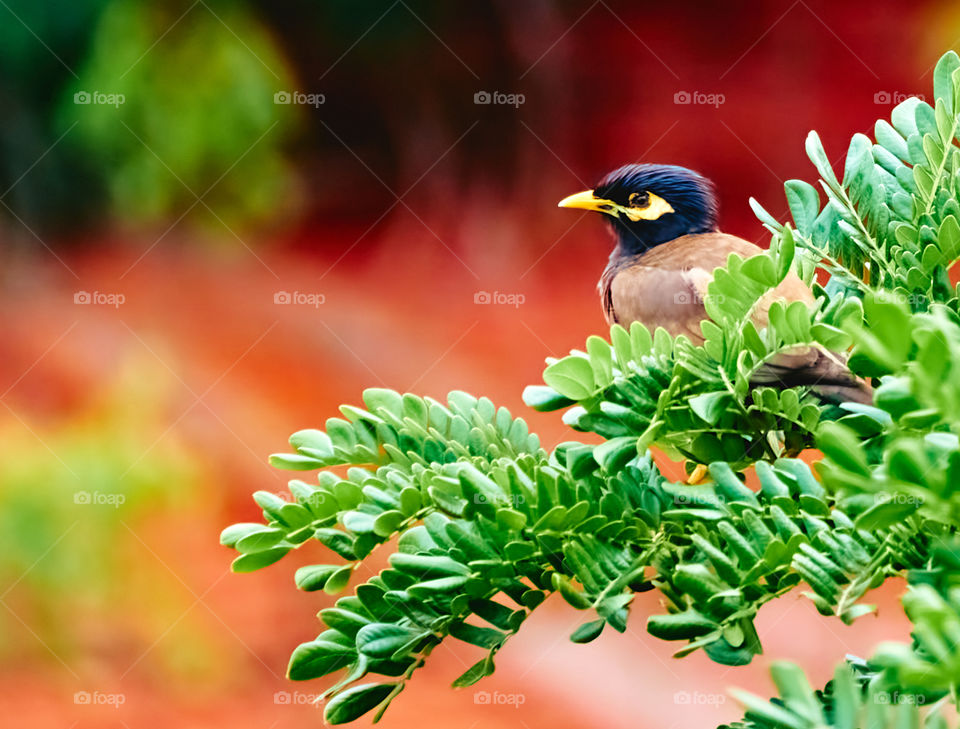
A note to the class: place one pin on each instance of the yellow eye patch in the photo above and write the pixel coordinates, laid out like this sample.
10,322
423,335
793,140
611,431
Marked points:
646,206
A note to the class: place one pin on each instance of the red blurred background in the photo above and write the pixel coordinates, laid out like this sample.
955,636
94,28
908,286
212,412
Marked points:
149,362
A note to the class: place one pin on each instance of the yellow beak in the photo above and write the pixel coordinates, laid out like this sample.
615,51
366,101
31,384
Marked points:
586,200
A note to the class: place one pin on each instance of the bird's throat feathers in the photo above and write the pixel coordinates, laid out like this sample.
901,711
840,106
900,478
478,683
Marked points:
636,238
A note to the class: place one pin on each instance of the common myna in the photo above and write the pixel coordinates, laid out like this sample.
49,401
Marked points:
664,219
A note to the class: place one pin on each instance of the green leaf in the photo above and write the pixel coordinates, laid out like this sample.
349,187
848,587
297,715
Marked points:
574,597
680,626
314,577
804,204
545,399
943,88
387,523
234,533
425,566
886,513
259,540
819,158
840,445
474,635
571,376
338,580
294,462
615,453
382,640
768,712
481,669
588,631
356,701
316,440
258,560
318,658
601,361
710,405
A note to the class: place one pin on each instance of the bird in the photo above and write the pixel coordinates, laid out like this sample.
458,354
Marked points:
664,220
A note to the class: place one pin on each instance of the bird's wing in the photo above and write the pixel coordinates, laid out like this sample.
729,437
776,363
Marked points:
658,297
666,285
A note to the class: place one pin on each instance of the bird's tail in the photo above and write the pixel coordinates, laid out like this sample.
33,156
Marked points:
824,372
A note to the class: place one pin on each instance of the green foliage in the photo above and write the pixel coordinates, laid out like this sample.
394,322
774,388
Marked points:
891,222
170,141
109,486
487,524
854,698
197,83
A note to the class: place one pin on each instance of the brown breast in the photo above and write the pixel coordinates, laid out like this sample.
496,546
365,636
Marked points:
665,286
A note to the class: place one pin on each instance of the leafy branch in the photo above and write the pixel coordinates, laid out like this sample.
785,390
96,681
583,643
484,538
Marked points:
483,523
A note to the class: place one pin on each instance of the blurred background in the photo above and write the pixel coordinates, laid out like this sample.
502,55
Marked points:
220,220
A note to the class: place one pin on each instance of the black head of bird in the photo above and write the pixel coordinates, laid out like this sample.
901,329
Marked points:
650,204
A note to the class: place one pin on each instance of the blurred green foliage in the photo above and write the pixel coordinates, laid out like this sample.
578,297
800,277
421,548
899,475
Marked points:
72,491
198,112
195,116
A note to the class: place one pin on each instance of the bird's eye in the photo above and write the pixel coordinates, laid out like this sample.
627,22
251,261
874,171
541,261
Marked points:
638,200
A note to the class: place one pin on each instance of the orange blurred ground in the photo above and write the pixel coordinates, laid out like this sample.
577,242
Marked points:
186,643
